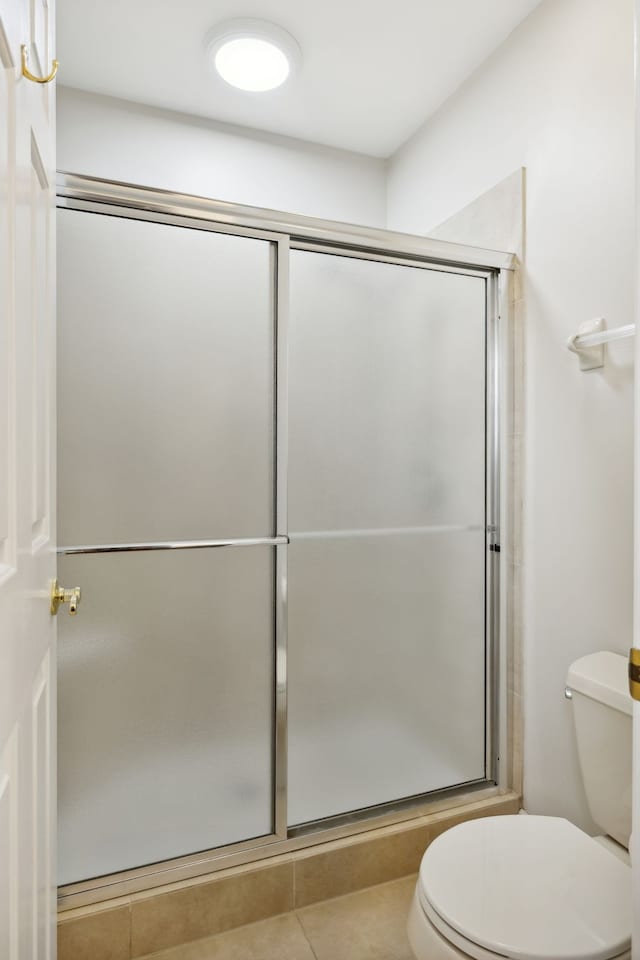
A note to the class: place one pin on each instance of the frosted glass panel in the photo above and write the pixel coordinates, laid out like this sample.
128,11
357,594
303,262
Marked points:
165,367
387,519
387,394
165,706
386,659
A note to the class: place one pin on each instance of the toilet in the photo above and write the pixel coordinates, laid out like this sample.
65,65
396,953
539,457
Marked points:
534,887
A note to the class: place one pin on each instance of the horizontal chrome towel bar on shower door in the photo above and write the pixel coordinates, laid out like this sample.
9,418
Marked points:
173,545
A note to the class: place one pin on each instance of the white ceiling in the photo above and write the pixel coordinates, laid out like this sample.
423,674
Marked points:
372,70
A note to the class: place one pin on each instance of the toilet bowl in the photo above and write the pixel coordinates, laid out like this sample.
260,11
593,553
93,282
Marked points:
537,887
527,888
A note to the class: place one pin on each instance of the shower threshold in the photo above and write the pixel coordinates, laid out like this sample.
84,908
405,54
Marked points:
352,825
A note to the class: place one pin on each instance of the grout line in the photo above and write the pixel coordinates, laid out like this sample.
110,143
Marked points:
294,891
304,933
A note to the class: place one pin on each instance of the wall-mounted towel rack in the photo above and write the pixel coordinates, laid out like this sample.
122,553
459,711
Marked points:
589,342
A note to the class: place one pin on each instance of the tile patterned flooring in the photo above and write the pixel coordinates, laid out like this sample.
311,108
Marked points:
367,925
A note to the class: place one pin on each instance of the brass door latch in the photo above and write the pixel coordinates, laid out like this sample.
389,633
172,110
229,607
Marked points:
60,595
634,672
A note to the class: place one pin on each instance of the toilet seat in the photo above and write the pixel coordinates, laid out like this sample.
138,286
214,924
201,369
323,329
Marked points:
432,939
467,947
526,888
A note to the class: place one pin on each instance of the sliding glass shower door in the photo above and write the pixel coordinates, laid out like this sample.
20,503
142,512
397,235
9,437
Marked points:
387,527
277,479
166,436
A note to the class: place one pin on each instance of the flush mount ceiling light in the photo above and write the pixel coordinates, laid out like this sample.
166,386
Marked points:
253,55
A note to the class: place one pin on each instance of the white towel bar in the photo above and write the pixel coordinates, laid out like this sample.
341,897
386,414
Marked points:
590,340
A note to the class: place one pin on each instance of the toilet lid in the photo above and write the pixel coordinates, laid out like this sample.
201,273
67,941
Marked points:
529,888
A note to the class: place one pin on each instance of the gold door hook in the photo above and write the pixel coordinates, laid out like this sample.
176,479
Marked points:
31,76
60,595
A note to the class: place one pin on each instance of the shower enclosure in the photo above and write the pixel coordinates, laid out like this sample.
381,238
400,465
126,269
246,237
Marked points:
278,477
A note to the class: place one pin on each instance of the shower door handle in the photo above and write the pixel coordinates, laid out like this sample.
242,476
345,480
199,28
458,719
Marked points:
61,595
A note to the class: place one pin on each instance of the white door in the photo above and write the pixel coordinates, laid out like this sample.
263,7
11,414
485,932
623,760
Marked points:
635,833
27,475
635,845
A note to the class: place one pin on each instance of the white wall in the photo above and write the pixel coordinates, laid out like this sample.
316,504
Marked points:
557,98
104,137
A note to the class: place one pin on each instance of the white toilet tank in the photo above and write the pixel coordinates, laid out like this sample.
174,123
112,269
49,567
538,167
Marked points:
602,711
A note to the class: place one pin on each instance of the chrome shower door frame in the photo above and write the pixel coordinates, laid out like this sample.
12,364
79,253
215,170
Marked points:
286,232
